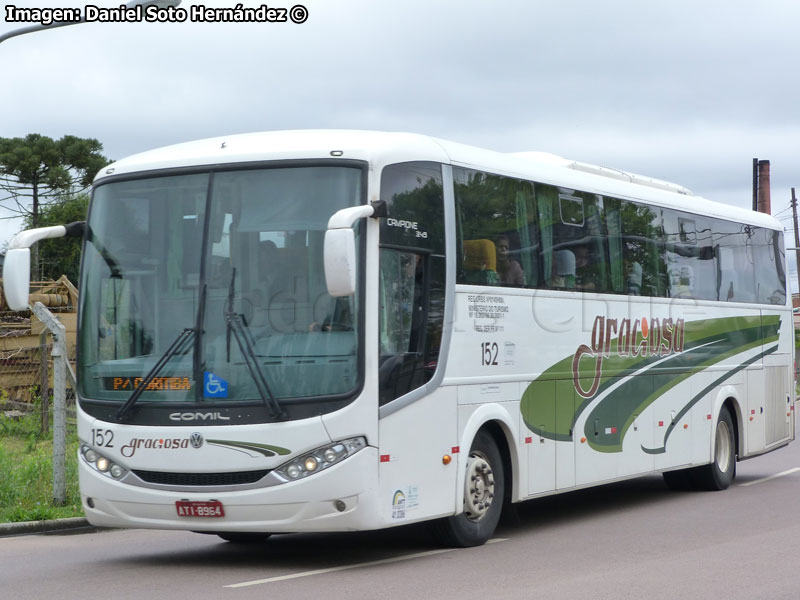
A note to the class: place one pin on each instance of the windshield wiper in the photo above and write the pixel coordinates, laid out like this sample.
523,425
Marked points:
199,326
178,345
247,347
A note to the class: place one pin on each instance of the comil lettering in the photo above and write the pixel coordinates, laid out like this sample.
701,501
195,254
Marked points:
198,416
634,338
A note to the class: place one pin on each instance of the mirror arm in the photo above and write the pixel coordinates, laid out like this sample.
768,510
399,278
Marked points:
26,239
346,218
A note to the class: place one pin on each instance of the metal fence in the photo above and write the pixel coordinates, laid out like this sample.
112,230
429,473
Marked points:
26,370
36,350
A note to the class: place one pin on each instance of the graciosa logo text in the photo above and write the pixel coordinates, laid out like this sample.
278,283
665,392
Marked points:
626,338
129,449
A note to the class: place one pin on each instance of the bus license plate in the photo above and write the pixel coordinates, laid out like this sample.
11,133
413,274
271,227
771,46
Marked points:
188,508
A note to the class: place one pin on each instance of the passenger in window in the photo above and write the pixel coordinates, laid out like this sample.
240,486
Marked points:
564,270
508,269
586,278
267,265
268,259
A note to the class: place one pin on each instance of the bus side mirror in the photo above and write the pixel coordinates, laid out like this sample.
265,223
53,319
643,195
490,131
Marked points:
340,262
17,265
16,278
340,248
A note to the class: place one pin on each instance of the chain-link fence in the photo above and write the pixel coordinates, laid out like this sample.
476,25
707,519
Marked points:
26,369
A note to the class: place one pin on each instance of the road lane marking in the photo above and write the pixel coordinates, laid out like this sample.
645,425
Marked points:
763,479
371,563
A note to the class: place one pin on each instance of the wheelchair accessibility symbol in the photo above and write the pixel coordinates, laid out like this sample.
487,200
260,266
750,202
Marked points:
214,386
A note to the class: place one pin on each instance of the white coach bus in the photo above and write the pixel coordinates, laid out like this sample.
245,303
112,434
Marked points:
343,330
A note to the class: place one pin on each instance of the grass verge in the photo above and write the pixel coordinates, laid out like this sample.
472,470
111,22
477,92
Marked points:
26,472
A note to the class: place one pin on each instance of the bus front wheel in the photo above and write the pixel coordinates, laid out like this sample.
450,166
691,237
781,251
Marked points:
483,498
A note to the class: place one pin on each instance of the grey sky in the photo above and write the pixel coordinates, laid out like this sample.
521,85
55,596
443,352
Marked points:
684,90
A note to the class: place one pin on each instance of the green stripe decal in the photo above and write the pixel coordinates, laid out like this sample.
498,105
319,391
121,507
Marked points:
629,372
264,449
697,397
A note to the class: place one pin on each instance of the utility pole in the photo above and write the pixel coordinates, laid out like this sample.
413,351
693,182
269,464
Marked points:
796,238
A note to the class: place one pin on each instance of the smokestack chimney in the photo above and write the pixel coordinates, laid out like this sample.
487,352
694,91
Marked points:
764,204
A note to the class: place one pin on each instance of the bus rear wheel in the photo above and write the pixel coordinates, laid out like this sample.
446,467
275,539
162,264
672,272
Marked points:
484,493
720,473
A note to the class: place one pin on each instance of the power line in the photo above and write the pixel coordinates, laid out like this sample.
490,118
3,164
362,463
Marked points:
782,211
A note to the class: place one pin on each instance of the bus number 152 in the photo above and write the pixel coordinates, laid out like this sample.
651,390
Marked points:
489,351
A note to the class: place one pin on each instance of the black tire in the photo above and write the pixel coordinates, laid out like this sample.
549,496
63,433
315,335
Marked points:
484,495
719,474
244,537
679,481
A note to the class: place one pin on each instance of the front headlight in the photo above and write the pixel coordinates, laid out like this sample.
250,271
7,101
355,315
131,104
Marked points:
101,464
319,459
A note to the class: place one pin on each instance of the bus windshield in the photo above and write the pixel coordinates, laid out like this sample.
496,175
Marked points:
228,265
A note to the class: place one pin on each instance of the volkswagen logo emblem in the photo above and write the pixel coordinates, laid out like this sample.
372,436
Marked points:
196,440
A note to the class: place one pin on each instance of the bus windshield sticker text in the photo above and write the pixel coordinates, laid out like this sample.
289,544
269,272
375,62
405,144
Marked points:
166,384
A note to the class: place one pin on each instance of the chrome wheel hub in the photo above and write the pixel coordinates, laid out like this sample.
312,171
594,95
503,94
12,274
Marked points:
479,492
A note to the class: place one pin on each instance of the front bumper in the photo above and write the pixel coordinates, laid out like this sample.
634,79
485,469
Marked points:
308,504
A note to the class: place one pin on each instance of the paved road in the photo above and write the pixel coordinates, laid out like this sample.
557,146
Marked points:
629,540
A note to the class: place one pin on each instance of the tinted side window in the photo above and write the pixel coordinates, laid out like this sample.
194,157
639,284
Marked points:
689,256
412,277
766,247
574,240
413,194
644,267
498,241
735,266
517,233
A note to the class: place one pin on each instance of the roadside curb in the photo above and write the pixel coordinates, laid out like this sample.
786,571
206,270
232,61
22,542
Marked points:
29,527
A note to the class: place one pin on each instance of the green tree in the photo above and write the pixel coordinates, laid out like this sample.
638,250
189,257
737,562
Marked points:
37,170
61,256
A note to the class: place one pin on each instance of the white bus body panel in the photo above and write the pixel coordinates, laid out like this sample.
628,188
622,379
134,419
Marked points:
534,329
415,484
